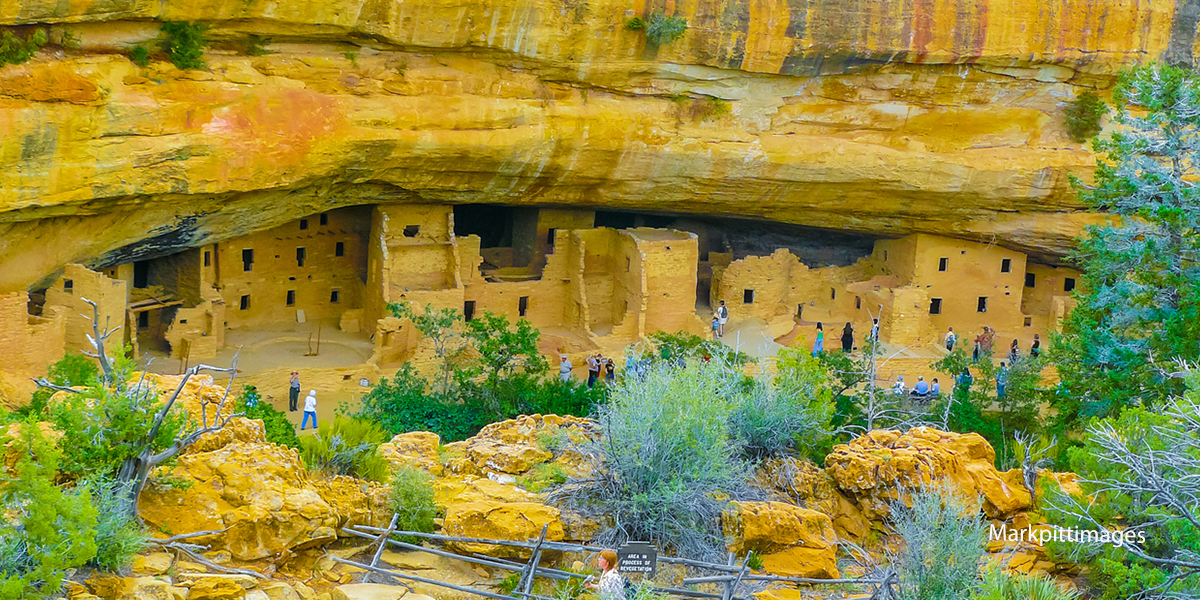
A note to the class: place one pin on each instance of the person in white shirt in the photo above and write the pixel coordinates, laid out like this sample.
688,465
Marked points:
564,367
722,318
950,339
310,410
899,389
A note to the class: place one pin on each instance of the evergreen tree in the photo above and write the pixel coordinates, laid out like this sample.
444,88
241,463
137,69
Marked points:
1137,310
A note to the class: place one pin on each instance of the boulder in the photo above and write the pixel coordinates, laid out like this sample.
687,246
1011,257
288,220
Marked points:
239,429
511,447
805,484
415,449
504,457
367,591
355,501
155,563
277,590
519,521
216,588
459,490
260,493
793,541
882,466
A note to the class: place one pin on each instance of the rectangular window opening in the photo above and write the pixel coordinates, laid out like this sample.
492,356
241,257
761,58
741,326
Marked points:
301,254
935,306
1029,321
627,264
245,304
334,297
522,305
1006,265
550,236
981,306
857,302
411,230
208,258
1068,284
141,274
291,297
339,249
468,310
943,263
303,224
68,285
832,294
799,311
748,297
1030,280
247,259
324,219
143,319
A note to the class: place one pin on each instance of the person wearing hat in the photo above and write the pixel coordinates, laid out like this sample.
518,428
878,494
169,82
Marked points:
310,410
564,367
294,392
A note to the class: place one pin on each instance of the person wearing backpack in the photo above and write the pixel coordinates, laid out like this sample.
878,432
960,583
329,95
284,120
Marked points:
612,585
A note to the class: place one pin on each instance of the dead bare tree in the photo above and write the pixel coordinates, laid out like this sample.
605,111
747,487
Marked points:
1157,470
1034,455
135,469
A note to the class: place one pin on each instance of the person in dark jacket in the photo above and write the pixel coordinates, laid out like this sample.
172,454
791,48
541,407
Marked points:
848,338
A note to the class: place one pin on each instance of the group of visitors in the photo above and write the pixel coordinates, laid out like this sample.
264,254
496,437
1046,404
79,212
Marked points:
310,402
847,338
922,389
720,317
985,342
598,367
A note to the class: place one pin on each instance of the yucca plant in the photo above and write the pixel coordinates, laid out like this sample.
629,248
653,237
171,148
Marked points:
346,446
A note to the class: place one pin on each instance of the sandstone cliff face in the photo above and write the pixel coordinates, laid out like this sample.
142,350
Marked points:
874,116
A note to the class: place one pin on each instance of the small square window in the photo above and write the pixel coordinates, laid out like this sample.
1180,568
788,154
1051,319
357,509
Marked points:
183,321
1030,279
1029,321
943,263
412,230
935,306
68,285
303,224
1068,284
324,219
748,297
981,306
291,298
339,249
1006,265
334,297
208,258
245,303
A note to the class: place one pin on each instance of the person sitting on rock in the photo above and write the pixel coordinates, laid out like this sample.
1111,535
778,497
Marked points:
922,388
612,584
936,389
899,389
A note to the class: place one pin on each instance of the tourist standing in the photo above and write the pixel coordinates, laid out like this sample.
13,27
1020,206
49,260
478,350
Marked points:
950,339
989,339
1036,349
612,584
874,337
715,326
722,319
593,364
964,381
310,410
1014,352
819,346
848,338
978,345
610,372
294,392
564,368
1001,381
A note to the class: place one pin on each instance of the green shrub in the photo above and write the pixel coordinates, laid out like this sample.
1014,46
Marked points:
73,369
256,45
1000,585
346,446
543,477
943,537
509,584
635,24
184,44
351,56
118,536
45,530
278,428
1083,116
14,50
679,347
662,30
70,40
412,499
667,457
139,56
754,561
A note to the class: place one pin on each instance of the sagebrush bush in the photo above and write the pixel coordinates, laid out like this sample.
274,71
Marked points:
346,446
185,44
998,584
118,536
412,499
45,530
942,539
667,456
140,56
662,30
279,429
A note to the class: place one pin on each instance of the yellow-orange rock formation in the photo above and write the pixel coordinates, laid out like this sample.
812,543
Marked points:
793,541
877,117
519,521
